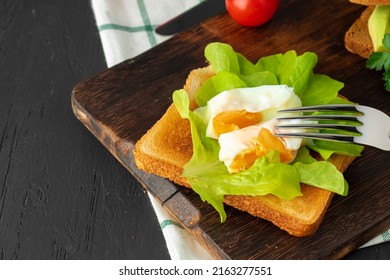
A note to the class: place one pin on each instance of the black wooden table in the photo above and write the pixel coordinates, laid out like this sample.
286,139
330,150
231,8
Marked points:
62,194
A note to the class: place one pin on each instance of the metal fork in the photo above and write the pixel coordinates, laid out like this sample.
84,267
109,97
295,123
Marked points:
337,122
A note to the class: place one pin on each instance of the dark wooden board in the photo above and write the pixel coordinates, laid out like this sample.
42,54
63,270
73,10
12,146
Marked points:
121,103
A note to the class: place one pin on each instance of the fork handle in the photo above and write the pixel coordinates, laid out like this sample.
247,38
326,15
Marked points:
377,134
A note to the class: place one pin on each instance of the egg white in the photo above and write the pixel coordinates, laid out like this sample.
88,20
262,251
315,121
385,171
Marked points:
266,99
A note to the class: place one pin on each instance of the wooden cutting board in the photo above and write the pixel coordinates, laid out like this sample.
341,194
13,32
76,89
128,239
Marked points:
121,103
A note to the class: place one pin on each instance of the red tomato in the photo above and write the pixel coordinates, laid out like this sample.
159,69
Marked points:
252,12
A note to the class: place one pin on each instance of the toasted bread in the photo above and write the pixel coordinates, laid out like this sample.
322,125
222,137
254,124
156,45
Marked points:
167,146
371,2
357,39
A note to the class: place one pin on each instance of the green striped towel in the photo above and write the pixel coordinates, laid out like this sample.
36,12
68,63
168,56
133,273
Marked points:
126,29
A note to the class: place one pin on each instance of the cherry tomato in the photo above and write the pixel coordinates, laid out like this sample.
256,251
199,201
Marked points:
252,12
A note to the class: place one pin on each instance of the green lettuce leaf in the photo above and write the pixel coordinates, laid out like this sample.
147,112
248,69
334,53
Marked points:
259,78
327,148
290,69
317,174
321,89
223,58
222,81
321,174
205,149
266,176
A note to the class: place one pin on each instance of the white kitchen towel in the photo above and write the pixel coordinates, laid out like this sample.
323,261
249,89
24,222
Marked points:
126,29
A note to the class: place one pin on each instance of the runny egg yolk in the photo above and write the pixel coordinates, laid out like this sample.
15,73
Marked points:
265,143
233,120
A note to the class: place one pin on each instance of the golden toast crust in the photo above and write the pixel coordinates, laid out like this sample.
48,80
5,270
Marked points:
357,38
371,2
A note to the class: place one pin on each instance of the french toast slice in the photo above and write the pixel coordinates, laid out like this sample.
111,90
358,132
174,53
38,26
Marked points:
167,146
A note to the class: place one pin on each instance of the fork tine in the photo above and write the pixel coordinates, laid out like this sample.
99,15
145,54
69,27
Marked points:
333,112
351,108
321,117
319,136
344,128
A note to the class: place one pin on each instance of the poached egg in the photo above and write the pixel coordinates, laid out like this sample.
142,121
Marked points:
243,120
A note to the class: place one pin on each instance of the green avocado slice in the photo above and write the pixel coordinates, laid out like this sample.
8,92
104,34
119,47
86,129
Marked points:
379,25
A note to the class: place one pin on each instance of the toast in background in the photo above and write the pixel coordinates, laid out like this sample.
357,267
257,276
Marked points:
167,146
371,2
357,39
